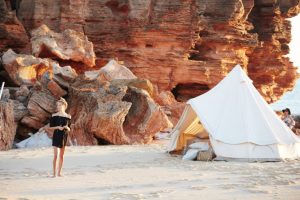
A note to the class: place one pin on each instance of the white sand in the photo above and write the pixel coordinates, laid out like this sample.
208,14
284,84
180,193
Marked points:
141,172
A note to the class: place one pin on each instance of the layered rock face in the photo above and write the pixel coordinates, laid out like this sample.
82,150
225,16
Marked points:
12,32
12,35
185,47
7,125
272,73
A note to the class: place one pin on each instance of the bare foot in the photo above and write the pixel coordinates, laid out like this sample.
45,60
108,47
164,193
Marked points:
53,176
60,175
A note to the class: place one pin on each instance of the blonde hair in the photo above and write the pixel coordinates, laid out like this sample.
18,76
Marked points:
63,101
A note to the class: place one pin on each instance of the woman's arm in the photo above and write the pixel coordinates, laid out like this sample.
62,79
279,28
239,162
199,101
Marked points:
47,128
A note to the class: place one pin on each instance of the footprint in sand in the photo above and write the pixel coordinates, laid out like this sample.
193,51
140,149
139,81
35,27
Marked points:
275,192
117,196
166,191
198,187
229,186
222,178
154,195
283,182
260,191
292,182
158,194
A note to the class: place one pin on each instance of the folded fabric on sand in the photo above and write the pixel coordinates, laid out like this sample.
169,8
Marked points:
203,146
39,139
191,154
193,149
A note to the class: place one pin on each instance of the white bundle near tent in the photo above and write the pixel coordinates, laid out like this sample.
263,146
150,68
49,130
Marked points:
238,122
39,139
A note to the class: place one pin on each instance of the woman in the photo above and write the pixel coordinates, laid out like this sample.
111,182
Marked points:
59,126
287,118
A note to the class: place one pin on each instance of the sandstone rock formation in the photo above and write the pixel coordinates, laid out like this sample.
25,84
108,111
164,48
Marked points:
12,32
68,45
112,70
41,105
145,117
19,110
55,89
25,69
108,106
274,34
171,107
64,75
119,111
22,94
184,46
7,125
113,113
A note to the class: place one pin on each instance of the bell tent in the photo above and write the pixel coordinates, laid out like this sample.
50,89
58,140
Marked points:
238,123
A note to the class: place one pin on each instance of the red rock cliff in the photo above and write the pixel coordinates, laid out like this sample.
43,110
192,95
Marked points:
186,46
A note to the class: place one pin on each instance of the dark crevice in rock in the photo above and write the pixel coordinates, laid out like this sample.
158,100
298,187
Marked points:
184,92
102,141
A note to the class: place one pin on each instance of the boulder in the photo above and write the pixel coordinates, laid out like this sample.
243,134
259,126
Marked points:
172,108
32,122
106,122
145,117
68,45
41,104
142,84
97,112
22,94
63,76
25,69
19,110
7,125
165,98
55,89
67,73
112,70
113,113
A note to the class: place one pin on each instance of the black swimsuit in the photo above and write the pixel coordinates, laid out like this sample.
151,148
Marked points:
59,137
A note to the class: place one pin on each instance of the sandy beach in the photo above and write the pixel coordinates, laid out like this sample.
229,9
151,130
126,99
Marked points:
141,172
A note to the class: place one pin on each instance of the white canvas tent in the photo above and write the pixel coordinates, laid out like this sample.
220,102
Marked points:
238,122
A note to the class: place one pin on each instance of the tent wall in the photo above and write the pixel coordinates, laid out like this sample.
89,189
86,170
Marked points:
253,152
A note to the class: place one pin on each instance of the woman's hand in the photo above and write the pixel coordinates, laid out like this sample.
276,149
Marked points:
67,128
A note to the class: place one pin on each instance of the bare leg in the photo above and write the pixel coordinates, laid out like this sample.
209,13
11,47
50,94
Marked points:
54,161
61,160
